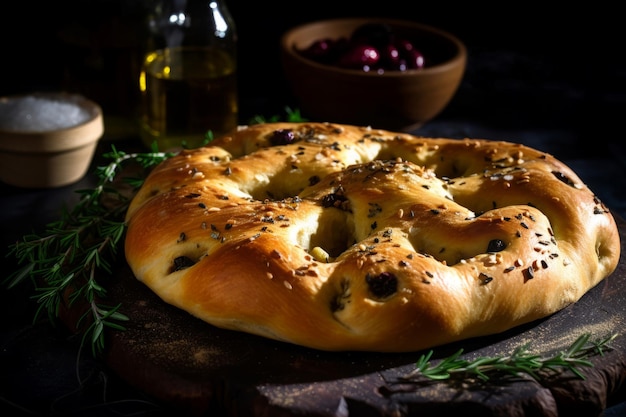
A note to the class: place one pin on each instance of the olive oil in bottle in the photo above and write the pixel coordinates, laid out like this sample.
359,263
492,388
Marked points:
188,80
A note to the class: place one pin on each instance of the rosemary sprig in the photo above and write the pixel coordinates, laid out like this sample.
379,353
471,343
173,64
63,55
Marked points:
64,262
521,360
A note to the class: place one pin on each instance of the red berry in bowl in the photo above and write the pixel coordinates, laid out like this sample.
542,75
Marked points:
415,59
319,50
370,47
359,56
404,45
390,57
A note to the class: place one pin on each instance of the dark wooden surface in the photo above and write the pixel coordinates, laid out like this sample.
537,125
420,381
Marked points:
203,370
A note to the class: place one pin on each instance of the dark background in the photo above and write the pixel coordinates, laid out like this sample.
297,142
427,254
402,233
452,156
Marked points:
548,50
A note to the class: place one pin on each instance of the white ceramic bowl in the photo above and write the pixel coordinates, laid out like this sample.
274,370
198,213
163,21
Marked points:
47,139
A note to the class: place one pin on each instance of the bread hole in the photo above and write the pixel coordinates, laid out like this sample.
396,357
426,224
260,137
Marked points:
326,234
280,185
433,159
604,252
335,232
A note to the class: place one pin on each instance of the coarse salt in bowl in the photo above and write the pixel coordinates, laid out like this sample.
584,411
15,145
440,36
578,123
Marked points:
47,139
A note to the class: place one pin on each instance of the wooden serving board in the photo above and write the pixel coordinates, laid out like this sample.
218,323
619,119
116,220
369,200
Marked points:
203,370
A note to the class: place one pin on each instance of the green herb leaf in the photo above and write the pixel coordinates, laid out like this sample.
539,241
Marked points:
520,361
76,252
291,116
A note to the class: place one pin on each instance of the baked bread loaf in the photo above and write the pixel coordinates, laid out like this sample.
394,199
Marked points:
341,237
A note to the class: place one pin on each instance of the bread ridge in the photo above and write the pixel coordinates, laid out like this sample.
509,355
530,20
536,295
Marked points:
340,237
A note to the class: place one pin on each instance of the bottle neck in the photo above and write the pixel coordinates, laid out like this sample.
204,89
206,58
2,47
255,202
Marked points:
175,23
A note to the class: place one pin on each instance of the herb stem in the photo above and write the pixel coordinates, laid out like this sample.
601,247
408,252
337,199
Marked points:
64,263
520,361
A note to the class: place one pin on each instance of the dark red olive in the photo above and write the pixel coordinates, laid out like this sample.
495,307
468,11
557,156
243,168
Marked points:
390,57
403,45
382,285
359,56
370,47
415,60
282,137
318,48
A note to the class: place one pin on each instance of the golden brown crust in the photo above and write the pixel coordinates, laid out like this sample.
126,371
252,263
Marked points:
351,238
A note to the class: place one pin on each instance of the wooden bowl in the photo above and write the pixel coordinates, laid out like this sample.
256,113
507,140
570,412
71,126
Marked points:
396,100
47,139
